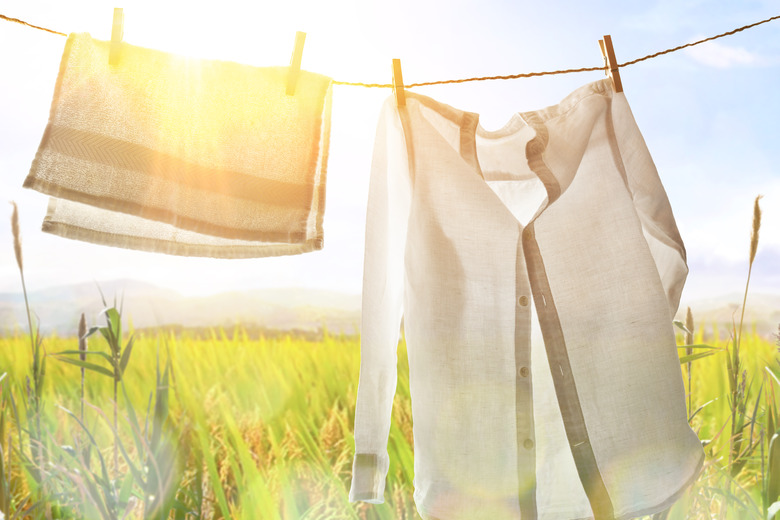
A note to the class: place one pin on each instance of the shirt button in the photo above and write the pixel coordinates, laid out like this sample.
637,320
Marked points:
528,444
523,371
523,301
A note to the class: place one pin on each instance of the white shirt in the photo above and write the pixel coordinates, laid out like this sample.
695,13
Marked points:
468,231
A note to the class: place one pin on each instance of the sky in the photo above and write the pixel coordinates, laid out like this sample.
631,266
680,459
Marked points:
709,114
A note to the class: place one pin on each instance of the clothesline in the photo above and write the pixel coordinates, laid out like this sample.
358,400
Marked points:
486,78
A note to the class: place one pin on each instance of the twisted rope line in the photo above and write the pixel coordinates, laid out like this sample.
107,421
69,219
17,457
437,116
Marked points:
22,22
465,80
667,51
486,78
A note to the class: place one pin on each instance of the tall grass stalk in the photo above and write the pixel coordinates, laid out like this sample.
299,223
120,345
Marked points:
38,364
5,470
689,352
738,388
753,248
83,355
118,359
18,253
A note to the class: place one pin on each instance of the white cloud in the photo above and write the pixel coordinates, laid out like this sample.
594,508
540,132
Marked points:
714,54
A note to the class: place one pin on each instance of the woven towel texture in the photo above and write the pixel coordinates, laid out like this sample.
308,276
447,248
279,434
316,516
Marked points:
183,156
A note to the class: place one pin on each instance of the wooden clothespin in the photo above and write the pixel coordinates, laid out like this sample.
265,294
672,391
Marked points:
398,83
117,32
295,63
612,65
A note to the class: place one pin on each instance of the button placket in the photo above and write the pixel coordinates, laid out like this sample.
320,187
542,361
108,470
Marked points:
526,452
523,349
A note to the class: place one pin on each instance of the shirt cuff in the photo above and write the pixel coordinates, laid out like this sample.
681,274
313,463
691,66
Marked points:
368,479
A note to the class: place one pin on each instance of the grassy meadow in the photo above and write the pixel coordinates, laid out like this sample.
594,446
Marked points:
257,428
261,429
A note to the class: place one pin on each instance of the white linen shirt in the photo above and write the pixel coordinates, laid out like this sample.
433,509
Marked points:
558,220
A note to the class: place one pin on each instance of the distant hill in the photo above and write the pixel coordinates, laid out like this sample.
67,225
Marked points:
293,309
761,311
58,308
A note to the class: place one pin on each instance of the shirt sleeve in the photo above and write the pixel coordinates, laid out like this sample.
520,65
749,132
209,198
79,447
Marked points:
651,203
382,307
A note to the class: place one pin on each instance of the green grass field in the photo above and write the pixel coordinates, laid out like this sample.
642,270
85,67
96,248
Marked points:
261,429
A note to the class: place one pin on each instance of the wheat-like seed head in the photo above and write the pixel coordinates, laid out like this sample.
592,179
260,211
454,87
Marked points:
330,432
254,434
399,502
689,326
82,339
291,446
402,414
17,236
756,227
226,477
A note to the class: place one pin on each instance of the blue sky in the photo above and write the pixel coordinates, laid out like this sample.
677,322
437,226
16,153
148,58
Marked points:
709,114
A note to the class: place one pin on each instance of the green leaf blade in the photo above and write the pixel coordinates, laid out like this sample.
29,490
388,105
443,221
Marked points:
88,366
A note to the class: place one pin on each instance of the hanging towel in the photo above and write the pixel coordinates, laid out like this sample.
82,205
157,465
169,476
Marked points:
183,156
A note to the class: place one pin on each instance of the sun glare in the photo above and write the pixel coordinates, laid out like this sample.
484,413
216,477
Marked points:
261,36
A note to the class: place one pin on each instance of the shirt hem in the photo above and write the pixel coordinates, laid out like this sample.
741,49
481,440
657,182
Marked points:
666,504
669,502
